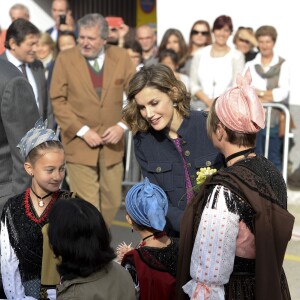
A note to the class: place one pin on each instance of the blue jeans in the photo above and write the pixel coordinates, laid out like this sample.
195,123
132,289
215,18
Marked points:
275,146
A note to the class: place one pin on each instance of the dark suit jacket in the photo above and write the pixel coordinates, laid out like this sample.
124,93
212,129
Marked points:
49,31
161,162
45,107
18,114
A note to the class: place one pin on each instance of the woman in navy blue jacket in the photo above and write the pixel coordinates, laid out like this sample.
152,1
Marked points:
171,143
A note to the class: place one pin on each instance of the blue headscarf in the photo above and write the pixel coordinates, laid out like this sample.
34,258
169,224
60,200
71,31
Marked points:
147,204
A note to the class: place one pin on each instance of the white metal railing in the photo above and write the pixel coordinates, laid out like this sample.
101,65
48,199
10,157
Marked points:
128,179
287,134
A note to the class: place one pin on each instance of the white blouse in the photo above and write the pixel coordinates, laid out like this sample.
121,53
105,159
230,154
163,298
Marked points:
214,75
11,277
214,249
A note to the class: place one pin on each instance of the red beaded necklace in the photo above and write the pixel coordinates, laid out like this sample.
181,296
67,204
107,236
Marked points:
45,214
155,235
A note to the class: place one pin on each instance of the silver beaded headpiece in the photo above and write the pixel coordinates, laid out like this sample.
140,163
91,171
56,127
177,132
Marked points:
36,136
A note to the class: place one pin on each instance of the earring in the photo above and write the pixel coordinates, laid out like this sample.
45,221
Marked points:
174,104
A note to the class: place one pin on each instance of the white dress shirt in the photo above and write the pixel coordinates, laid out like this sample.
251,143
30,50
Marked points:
30,77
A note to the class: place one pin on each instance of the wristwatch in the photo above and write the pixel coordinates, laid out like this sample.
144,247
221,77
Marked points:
261,94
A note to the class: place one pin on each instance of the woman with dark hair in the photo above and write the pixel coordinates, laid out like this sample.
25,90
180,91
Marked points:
169,58
66,40
81,241
199,37
173,39
215,67
235,232
170,141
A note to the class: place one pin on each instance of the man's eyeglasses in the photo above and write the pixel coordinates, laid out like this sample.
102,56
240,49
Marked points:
196,32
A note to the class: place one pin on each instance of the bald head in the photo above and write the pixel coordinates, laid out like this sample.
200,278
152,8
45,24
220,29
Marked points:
145,35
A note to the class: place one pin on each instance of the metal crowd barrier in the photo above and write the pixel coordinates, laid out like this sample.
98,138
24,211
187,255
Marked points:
130,157
127,181
287,134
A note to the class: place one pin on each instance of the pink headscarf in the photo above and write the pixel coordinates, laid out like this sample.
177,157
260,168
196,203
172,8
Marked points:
239,108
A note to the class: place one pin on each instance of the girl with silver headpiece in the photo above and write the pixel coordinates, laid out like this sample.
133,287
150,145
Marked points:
152,264
234,234
24,216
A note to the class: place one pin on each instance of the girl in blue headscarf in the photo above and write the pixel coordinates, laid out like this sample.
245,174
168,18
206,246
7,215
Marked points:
152,264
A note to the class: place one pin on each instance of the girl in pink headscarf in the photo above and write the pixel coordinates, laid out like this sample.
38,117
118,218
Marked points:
234,234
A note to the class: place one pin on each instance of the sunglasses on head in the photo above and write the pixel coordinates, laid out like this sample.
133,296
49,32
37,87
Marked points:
195,32
247,28
244,41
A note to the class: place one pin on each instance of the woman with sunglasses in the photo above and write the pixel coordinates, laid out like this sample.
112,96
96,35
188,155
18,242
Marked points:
200,36
215,67
245,41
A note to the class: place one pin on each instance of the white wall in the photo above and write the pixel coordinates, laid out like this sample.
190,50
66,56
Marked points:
181,14
37,16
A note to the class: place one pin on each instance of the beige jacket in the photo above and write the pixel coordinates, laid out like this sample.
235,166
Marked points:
75,102
113,282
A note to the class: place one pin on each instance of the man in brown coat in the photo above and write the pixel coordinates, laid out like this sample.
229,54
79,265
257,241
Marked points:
86,92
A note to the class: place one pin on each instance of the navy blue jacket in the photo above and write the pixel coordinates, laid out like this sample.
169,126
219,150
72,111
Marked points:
161,162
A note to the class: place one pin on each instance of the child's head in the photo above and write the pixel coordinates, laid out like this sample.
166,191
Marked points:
66,40
44,157
169,58
135,51
147,206
79,236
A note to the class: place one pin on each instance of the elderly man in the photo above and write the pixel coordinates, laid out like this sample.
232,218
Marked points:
86,92
19,11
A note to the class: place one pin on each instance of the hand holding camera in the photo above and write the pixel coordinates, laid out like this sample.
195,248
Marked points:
66,22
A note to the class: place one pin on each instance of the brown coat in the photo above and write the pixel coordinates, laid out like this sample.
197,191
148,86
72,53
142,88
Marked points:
75,102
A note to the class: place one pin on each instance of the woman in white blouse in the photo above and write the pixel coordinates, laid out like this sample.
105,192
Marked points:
214,68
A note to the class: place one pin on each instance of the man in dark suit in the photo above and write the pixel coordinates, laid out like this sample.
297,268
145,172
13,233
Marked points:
21,43
18,114
63,19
